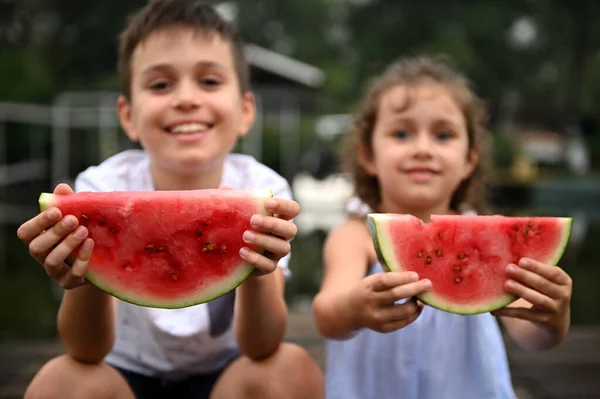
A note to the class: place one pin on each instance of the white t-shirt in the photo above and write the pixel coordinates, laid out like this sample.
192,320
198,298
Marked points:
175,343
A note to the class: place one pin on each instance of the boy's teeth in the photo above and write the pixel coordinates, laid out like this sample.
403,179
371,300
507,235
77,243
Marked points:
189,128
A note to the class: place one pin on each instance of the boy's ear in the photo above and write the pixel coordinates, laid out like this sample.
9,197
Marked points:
365,158
472,162
125,118
248,113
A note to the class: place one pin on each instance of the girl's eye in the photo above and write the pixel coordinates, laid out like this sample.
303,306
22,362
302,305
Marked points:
401,134
443,135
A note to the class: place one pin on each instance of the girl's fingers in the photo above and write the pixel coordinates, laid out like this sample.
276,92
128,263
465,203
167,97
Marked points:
532,296
397,324
533,280
399,311
406,291
523,314
552,273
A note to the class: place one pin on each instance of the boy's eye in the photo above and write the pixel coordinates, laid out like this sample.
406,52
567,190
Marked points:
210,82
159,85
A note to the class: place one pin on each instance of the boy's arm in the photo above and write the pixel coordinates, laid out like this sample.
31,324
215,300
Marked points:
260,314
86,318
86,323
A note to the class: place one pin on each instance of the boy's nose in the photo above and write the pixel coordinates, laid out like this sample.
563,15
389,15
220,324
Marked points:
186,96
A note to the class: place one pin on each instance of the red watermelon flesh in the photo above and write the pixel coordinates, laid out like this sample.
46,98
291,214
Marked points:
465,257
166,249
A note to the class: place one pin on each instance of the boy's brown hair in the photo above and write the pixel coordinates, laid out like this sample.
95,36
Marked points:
163,14
411,72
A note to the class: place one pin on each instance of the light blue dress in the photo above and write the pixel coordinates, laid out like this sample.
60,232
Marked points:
439,356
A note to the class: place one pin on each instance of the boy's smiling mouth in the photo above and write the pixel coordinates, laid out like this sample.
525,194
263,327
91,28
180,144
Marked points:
187,128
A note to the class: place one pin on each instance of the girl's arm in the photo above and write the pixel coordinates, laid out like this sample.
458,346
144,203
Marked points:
346,257
541,318
349,300
532,335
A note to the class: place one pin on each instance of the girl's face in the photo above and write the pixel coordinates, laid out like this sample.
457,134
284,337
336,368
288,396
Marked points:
420,152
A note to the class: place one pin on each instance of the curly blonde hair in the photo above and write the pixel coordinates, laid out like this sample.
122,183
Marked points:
411,72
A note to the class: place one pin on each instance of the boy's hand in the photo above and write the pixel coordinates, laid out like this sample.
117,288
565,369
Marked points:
374,300
548,288
52,238
273,235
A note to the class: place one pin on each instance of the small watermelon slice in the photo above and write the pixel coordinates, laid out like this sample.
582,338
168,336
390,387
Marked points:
465,257
165,249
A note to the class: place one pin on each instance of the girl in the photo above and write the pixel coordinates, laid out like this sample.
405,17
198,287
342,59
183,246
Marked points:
417,147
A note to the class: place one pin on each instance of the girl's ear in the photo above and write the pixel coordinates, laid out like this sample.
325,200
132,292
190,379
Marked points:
365,159
472,162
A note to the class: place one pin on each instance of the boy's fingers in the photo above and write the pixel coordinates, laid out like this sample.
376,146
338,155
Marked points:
58,255
552,273
42,243
33,227
75,275
270,243
384,281
263,264
272,225
283,208
83,257
63,189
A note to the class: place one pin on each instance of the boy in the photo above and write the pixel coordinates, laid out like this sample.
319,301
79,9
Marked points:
186,99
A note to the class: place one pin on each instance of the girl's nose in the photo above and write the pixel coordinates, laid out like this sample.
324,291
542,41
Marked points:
422,145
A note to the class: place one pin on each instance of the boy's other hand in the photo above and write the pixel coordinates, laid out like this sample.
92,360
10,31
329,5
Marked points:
52,237
272,233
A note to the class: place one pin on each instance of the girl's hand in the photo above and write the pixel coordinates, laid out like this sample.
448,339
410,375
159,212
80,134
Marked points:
375,297
52,238
548,288
273,235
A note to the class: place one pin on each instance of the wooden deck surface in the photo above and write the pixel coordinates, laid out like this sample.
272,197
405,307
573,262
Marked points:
571,371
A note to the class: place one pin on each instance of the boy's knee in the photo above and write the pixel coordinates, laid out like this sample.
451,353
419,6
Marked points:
64,378
296,373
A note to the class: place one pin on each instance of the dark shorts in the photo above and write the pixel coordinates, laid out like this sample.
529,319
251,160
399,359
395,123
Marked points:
194,387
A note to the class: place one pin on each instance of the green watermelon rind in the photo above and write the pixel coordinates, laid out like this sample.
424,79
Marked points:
244,270
376,223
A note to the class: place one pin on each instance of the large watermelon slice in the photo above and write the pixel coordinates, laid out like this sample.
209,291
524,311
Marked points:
166,249
465,256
